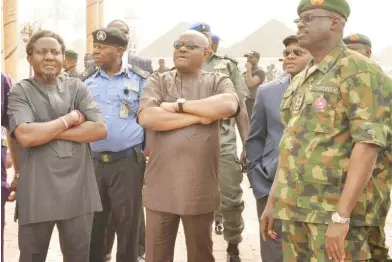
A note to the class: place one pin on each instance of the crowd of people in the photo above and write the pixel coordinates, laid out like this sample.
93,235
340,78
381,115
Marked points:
121,149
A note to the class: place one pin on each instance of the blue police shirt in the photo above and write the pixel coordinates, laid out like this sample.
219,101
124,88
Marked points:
109,93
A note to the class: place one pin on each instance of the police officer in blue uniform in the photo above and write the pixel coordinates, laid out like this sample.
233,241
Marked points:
146,65
119,161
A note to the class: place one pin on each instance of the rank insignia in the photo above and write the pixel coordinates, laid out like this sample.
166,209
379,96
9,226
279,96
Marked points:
299,99
316,2
354,38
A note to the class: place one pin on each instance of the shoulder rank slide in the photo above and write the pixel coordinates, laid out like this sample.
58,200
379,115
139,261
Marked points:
140,72
88,72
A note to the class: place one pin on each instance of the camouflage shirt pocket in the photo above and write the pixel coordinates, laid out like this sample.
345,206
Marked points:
319,188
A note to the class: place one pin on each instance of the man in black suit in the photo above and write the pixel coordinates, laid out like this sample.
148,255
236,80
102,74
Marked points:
265,132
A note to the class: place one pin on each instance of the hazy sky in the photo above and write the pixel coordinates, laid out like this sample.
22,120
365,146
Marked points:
235,21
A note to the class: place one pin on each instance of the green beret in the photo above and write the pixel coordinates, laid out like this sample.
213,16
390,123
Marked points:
357,39
110,36
338,6
71,54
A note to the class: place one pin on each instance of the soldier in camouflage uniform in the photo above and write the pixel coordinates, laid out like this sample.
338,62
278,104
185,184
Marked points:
230,174
332,187
362,44
359,43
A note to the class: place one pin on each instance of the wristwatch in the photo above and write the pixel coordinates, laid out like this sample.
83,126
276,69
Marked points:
181,102
337,219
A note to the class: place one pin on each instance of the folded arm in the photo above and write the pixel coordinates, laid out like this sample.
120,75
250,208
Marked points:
214,107
36,134
158,119
85,133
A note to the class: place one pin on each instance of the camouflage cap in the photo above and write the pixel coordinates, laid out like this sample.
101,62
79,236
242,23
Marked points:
338,6
201,27
71,54
288,40
252,53
215,38
110,36
357,39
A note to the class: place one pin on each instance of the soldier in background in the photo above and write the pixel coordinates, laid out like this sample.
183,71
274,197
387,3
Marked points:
70,63
144,64
333,173
162,68
359,43
215,43
254,77
363,45
271,73
230,174
88,60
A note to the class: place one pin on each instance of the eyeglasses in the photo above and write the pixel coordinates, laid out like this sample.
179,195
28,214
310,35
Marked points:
295,51
190,44
308,18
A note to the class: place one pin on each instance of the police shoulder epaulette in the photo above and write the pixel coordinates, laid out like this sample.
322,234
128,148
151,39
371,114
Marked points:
139,71
230,58
88,72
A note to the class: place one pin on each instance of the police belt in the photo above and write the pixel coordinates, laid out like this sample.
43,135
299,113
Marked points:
109,157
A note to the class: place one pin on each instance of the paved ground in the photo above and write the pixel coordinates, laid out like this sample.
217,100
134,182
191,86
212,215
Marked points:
249,247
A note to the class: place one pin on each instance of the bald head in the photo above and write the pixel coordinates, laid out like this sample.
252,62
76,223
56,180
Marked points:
190,52
199,38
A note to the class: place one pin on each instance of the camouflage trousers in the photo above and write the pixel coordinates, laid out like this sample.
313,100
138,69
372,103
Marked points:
232,204
305,242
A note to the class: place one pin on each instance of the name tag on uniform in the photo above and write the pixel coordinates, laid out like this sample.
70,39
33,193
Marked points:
325,89
124,111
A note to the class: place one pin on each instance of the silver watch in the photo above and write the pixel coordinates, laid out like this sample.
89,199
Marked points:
336,218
